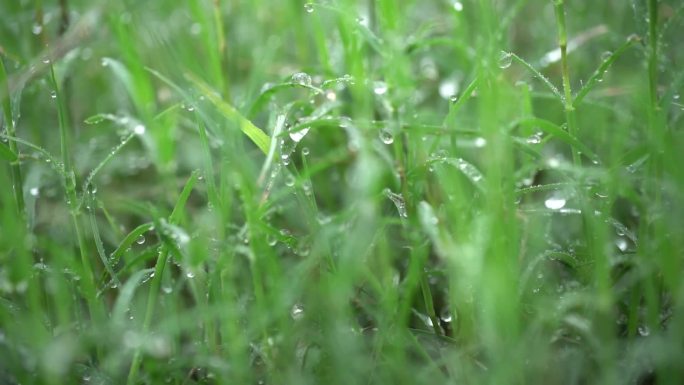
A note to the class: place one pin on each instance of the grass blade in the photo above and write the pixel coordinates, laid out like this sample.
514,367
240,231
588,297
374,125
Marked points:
248,128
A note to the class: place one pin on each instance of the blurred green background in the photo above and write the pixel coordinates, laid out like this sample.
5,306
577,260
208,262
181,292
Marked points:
352,191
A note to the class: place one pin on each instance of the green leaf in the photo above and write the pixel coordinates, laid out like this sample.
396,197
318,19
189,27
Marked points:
601,70
257,136
559,133
6,153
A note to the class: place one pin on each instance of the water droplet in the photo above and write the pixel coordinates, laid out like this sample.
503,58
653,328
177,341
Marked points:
46,60
167,289
633,38
448,89
555,203
505,59
36,29
285,158
305,151
53,94
301,78
289,181
534,138
458,6
297,311
379,88
190,274
606,55
195,29
139,129
271,240
480,142
298,135
398,201
644,330
34,191
140,240
621,244
330,95
386,136
453,98
309,8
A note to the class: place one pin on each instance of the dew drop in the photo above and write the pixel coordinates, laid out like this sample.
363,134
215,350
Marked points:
505,59
379,88
298,135
480,142
305,151
621,244
458,6
53,95
309,8
555,203
34,191
190,274
140,240
37,29
606,55
330,95
534,138
167,289
448,89
301,78
289,181
297,312
386,136
139,129
285,158
644,331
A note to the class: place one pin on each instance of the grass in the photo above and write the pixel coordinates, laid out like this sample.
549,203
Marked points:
378,191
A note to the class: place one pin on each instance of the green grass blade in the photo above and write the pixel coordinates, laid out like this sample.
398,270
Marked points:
248,128
559,133
601,70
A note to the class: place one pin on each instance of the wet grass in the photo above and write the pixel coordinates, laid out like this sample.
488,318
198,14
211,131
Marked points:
275,192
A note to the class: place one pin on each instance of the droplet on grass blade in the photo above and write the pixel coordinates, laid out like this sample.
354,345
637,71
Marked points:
386,136
379,88
505,59
448,89
309,8
301,78
298,135
555,203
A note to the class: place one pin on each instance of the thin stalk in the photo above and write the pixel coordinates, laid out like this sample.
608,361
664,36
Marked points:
17,180
570,115
149,310
653,54
69,181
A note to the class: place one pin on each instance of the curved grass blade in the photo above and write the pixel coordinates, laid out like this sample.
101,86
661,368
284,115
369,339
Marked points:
128,241
601,70
123,301
466,168
539,75
264,96
465,96
98,243
159,271
556,131
247,127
